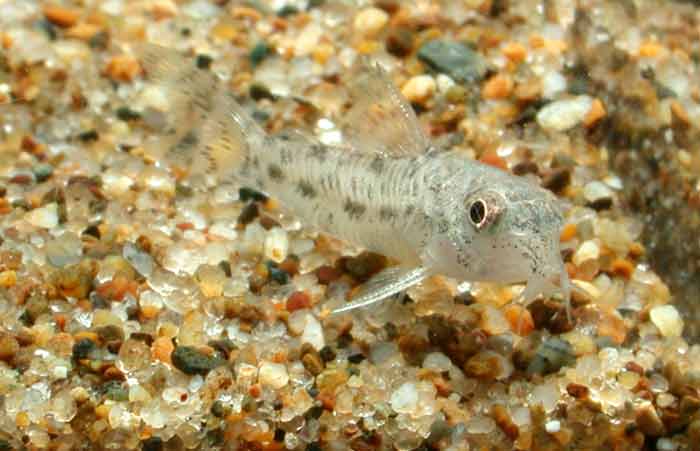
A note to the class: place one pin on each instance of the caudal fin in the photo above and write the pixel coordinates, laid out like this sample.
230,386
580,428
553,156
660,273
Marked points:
208,132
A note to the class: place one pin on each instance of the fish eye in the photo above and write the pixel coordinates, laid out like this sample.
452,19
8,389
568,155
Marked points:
477,213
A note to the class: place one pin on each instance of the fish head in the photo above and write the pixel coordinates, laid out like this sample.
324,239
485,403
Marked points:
506,233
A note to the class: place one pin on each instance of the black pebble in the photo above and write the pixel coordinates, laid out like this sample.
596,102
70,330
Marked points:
152,444
204,61
82,348
248,194
356,358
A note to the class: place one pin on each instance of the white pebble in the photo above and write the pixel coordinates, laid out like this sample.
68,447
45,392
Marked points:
308,39
370,21
553,84
480,425
46,216
667,319
595,191
562,115
588,250
313,333
444,83
419,88
116,184
276,244
273,375
437,361
591,290
552,426
547,395
405,398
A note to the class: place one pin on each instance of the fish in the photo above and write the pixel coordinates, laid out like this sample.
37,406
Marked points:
387,188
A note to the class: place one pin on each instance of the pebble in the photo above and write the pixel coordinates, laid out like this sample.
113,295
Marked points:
308,39
46,216
9,346
274,375
61,16
667,319
419,88
550,356
562,115
553,84
141,261
123,68
454,59
405,398
557,180
648,421
192,361
276,245
370,21
588,250
399,42
499,86
597,192
313,333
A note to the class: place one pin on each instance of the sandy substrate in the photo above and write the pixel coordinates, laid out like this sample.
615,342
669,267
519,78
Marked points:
140,311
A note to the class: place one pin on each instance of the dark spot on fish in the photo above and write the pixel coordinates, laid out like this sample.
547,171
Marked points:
377,165
443,226
409,210
319,152
275,172
354,210
285,156
189,140
387,214
306,189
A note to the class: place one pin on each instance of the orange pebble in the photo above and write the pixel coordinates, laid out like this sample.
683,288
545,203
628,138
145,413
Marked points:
61,16
123,68
497,87
650,50
515,51
622,267
520,319
162,348
568,232
596,113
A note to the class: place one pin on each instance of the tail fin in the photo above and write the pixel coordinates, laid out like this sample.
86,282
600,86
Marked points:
208,131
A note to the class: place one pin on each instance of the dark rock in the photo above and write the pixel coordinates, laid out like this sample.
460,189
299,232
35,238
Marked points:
152,444
557,180
458,61
259,52
550,356
190,360
42,172
399,42
82,348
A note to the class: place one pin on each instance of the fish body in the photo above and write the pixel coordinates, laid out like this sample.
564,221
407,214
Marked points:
436,212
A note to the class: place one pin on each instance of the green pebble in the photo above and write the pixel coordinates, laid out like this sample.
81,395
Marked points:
458,61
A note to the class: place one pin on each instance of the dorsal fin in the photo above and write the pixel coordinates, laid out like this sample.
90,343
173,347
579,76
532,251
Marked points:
209,132
380,120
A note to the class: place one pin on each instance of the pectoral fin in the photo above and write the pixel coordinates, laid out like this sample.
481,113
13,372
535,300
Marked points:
384,284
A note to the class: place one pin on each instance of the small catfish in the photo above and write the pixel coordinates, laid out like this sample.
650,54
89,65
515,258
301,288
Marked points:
389,190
